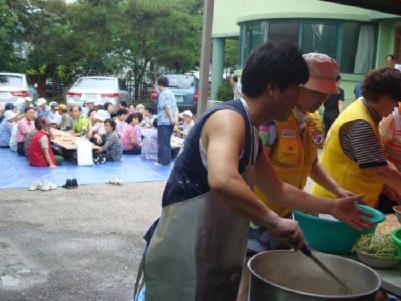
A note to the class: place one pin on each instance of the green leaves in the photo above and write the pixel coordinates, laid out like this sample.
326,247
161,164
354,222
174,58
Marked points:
135,38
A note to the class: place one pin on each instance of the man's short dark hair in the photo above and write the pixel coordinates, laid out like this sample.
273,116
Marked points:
338,77
271,63
235,78
27,109
390,55
151,110
162,81
382,82
106,105
111,122
123,103
121,112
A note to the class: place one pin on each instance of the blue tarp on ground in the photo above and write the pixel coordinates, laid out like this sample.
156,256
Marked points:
15,171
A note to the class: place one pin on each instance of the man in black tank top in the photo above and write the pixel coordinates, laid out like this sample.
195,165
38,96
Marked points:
208,200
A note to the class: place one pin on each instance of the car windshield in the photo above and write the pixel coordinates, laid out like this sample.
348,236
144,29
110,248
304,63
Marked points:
98,83
11,80
180,82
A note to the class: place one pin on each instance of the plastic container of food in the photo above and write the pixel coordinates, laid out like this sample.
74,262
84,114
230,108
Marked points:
331,235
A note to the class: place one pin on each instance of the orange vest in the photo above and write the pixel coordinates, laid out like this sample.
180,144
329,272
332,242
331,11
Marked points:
293,157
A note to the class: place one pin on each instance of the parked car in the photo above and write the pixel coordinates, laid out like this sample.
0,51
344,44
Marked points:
14,87
100,89
185,89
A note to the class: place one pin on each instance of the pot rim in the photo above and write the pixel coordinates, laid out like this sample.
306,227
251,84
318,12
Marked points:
327,297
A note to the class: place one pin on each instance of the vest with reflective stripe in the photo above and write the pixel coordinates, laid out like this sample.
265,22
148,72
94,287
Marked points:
345,171
293,157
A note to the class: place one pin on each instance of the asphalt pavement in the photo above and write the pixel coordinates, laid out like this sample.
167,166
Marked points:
81,244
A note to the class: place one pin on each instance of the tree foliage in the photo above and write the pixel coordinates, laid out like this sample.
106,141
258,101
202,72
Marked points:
129,38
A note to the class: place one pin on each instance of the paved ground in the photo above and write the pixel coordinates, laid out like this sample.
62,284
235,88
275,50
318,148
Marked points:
82,244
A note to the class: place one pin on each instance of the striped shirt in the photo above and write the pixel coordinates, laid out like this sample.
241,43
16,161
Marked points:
390,134
359,142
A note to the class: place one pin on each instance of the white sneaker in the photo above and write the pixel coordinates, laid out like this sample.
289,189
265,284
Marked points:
44,186
34,186
52,186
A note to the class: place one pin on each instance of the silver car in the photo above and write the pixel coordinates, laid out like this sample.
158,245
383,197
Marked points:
99,89
14,87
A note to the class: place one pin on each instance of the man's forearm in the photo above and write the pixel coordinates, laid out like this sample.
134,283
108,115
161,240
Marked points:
47,156
321,177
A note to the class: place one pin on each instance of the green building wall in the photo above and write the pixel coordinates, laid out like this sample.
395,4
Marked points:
229,13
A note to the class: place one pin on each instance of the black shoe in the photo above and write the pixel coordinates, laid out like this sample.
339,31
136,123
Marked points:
68,184
74,183
102,160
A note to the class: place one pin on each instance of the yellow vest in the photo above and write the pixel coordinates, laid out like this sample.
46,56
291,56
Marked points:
344,170
293,157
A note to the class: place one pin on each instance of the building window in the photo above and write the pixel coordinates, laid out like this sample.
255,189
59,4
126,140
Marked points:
350,43
358,50
252,34
319,37
283,32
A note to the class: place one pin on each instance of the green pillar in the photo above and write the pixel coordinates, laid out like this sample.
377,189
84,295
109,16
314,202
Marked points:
217,65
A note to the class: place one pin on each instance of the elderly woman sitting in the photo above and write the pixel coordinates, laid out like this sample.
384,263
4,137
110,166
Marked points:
112,149
40,153
97,128
6,127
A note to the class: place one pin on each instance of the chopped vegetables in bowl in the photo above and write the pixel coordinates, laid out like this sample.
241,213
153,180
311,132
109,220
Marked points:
376,244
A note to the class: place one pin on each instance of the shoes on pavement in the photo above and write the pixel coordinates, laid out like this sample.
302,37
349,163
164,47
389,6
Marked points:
74,183
34,186
68,184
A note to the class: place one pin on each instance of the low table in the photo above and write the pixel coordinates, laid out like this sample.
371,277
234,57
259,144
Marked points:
66,140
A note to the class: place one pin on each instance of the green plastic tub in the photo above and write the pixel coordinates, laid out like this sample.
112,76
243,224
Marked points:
332,236
396,236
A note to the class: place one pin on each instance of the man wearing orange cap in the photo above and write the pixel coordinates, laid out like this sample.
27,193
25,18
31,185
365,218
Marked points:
292,144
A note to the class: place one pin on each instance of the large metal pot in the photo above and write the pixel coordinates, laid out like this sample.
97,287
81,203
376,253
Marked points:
291,276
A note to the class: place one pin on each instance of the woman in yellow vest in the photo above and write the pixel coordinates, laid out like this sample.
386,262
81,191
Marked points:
353,154
292,144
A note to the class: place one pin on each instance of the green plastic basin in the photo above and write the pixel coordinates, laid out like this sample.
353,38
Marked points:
333,236
396,236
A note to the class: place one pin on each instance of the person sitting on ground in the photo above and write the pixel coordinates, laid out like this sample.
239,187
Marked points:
148,117
40,153
9,121
28,103
140,108
42,110
54,114
112,149
131,109
67,122
131,138
91,117
108,106
121,117
81,123
130,141
187,124
122,104
88,105
149,144
24,126
97,130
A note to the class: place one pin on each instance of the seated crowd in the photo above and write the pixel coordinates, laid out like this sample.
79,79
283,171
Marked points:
116,130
